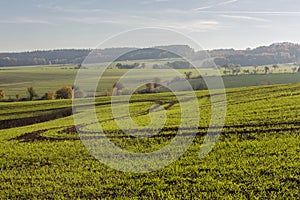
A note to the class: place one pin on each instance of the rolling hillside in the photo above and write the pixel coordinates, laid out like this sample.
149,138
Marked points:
257,155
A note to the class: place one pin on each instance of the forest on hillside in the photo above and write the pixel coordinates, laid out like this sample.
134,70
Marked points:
277,53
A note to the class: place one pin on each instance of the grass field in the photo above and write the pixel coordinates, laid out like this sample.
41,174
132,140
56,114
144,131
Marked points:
16,80
256,157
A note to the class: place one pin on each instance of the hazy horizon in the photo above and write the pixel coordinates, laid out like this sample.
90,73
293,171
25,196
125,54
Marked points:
79,48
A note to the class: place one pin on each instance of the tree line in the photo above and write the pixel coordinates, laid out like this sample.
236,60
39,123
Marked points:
66,92
232,69
278,53
63,56
265,55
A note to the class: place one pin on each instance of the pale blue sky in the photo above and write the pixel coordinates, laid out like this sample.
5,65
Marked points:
53,24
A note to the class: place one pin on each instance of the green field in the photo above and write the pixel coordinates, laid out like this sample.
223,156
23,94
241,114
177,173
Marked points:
16,80
256,157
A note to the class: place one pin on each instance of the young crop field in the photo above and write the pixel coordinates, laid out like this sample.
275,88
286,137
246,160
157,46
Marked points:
16,80
256,157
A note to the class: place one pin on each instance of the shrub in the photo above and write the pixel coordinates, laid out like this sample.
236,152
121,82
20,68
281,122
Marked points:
117,88
118,85
49,96
126,91
65,92
150,87
2,93
108,93
79,94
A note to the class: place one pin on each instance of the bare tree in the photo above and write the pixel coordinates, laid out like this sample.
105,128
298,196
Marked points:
31,93
246,71
275,67
188,75
294,69
255,69
267,69
236,69
117,88
156,82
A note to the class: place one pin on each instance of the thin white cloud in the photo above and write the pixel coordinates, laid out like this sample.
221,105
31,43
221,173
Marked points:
242,17
193,26
216,5
161,0
92,20
204,8
56,8
227,2
271,13
153,18
133,22
154,1
24,21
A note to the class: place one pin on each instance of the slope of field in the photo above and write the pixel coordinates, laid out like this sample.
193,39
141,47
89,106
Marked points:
257,155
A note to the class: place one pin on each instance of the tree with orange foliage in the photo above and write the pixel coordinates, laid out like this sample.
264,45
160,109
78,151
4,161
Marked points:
65,92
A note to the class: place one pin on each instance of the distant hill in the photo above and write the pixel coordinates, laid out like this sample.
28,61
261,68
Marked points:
63,56
276,53
265,55
77,56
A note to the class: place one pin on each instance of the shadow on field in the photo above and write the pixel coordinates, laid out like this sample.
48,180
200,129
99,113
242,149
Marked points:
166,132
57,114
36,136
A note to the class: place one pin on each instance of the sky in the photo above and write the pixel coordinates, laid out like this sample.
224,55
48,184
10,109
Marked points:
27,25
